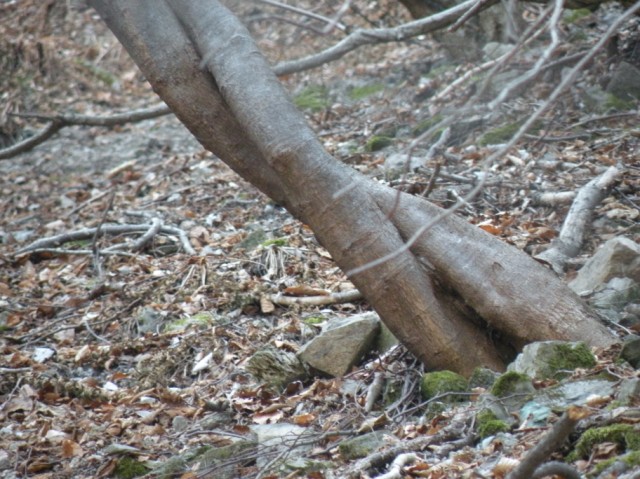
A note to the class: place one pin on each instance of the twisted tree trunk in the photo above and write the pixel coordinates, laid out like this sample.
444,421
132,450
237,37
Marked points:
441,296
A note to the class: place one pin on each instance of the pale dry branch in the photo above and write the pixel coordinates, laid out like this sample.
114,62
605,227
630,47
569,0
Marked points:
553,198
569,242
332,298
107,229
378,35
57,122
395,471
549,443
301,11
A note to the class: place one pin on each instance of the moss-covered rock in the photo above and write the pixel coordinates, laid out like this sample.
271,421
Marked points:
487,424
361,446
623,463
378,142
512,383
482,378
129,467
442,382
625,435
553,359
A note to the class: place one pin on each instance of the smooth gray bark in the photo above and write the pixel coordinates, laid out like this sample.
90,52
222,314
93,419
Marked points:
439,297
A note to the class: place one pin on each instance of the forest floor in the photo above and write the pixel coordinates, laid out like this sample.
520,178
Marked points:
102,346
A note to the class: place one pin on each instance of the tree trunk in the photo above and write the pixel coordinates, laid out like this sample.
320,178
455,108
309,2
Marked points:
442,295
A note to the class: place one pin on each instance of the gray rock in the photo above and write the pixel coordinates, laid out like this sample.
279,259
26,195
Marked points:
618,257
631,350
483,378
514,389
492,403
362,446
552,359
5,462
216,420
400,162
494,50
629,391
179,423
341,344
385,340
274,439
616,294
625,82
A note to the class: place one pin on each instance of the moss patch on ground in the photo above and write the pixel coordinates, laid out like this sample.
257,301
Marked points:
441,382
313,98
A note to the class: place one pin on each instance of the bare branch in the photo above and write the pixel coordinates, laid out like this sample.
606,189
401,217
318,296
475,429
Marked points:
571,237
549,443
306,13
333,298
60,121
378,35
107,229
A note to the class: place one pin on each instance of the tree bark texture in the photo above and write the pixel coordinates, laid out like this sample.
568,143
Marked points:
439,297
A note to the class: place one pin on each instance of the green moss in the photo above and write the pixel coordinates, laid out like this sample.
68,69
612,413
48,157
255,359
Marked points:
613,102
424,125
568,357
625,435
501,134
511,383
483,378
275,242
313,98
377,142
361,446
437,71
313,320
441,382
128,468
101,74
631,460
572,16
360,92
200,320
392,391
221,454
487,424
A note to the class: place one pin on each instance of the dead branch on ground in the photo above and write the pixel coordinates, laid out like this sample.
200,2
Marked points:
57,122
569,242
109,229
531,463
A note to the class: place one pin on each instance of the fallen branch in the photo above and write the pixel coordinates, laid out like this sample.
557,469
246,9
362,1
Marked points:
395,471
108,229
531,464
569,242
57,122
332,298
379,459
378,35
552,198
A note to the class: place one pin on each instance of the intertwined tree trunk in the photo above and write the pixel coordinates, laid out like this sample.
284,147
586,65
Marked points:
448,298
